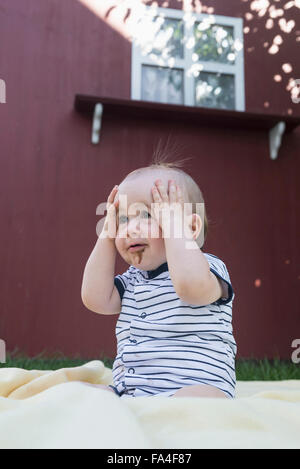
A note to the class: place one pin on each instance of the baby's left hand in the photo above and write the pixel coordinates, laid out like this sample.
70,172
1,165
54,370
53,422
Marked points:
168,208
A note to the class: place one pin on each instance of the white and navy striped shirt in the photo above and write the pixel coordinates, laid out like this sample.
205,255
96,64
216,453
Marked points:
164,343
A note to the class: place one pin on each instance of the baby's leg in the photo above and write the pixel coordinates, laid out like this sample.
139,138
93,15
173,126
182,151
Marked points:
199,390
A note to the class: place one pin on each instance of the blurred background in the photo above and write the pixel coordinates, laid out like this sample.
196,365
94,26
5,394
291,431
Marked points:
218,79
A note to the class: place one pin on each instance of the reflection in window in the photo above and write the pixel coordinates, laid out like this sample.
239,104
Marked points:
214,90
163,38
164,85
191,59
214,43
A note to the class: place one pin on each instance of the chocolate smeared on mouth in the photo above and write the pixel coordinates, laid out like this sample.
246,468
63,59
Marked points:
138,256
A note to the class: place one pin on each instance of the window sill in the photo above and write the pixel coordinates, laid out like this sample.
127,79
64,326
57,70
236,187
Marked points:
188,114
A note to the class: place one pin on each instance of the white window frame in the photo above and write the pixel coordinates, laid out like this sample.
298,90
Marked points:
236,69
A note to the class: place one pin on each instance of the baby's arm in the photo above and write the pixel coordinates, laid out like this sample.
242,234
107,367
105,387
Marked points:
98,292
190,273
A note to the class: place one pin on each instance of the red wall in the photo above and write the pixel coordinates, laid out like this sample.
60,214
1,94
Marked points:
53,178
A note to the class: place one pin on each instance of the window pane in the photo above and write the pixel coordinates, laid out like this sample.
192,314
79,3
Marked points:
162,38
215,90
163,85
214,43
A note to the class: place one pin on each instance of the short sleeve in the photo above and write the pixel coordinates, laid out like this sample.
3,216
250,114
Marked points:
121,281
218,268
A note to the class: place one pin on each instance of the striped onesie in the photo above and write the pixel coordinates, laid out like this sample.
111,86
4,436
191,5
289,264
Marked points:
164,343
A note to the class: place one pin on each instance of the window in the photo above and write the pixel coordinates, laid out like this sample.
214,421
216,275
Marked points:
188,58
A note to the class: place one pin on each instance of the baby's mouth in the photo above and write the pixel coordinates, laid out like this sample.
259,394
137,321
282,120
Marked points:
137,247
137,252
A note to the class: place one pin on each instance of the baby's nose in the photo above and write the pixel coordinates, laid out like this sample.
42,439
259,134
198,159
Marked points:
134,226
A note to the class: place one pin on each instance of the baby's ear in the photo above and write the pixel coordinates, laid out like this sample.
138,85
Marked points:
195,224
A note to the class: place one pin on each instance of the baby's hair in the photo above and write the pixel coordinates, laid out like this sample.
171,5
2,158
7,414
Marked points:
161,154
161,160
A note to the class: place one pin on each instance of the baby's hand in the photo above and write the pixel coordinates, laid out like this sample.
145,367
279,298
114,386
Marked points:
110,224
168,208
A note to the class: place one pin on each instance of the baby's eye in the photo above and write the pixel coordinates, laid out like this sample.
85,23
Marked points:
122,219
145,214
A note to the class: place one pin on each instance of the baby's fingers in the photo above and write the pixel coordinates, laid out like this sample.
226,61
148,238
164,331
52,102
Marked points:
113,198
116,199
112,195
111,221
110,224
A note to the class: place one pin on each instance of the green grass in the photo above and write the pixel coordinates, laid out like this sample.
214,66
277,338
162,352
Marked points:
266,370
246,369
47,361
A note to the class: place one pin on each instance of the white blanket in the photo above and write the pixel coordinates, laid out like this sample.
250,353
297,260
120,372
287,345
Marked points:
51,409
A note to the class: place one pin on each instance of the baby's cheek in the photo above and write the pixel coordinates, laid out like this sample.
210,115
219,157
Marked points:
121,232
119,242
157,242
154,230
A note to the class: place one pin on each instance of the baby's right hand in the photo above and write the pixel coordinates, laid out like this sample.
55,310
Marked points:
110,224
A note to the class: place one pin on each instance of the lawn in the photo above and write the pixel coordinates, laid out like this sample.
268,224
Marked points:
246,369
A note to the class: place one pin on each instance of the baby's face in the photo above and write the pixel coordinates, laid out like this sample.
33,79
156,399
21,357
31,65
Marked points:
135,223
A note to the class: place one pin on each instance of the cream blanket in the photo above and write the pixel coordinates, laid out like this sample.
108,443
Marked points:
51,409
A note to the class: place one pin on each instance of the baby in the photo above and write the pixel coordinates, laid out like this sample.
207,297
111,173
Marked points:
174,331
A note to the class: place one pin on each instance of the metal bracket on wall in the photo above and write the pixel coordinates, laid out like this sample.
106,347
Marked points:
97,120
275,137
